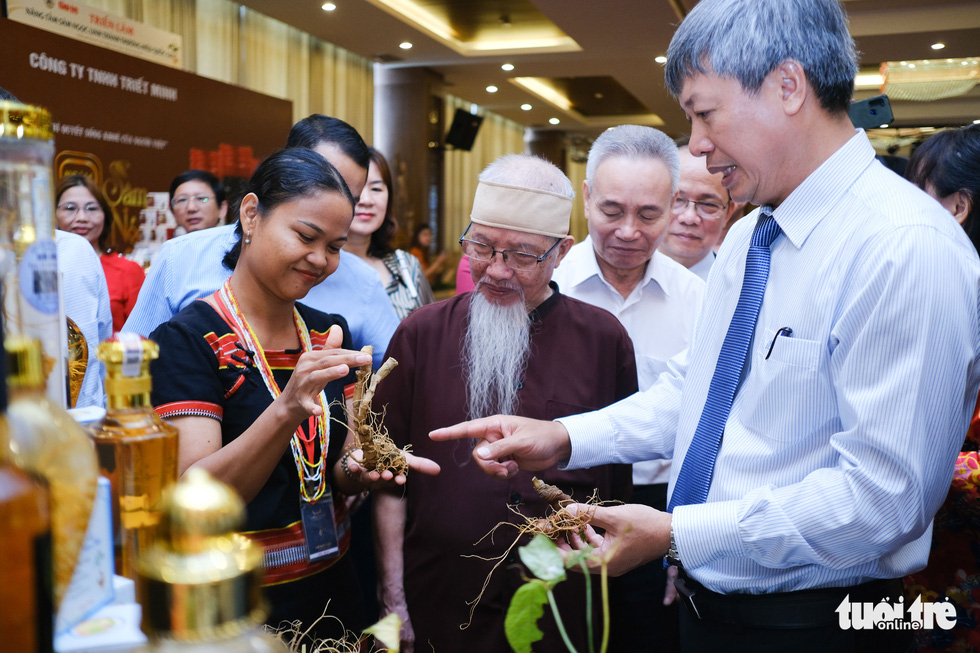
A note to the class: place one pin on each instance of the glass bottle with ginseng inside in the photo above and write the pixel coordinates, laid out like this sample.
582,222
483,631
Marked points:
45,440
137,451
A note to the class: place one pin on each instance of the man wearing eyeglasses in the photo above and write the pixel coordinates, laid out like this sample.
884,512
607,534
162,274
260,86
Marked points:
700,211
514,345
197,199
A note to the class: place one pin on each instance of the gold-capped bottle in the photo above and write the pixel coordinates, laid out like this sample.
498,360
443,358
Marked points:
31,301
137,451
45,440
200,581
26,602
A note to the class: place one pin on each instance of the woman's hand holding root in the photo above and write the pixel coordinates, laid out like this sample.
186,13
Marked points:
375,480
634,535
313,371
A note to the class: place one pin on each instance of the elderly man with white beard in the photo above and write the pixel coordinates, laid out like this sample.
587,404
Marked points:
515,345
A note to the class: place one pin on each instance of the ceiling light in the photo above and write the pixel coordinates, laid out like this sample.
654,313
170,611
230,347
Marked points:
554,121
526,107
866,80
508,67
328,6
937,46
977,121
929,79
405,45
491,89
543,90
660,59
883,126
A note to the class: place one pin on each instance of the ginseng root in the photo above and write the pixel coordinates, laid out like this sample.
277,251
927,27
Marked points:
559,523
378,451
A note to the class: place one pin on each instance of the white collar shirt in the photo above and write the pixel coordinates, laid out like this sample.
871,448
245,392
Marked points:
659,315
703,267
841,438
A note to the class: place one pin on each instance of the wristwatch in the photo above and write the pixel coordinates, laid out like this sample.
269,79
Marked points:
673,557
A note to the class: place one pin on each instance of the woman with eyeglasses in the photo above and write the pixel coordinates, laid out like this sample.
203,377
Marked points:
81,208
370,235
197,199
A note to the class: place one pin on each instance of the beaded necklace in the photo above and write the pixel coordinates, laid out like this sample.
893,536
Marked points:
310,469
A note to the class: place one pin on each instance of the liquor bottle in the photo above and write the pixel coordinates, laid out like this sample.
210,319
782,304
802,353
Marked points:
200,580
45,440
137,451
32,301
27,613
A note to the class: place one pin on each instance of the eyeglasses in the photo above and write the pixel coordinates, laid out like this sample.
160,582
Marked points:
71,209
182,202
706,210
512,258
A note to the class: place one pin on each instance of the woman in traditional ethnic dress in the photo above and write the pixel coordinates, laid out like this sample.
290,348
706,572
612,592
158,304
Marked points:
255,383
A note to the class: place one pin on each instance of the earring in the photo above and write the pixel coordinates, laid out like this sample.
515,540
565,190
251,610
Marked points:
248,238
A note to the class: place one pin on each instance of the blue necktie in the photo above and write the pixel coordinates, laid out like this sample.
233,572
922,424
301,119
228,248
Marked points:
695,476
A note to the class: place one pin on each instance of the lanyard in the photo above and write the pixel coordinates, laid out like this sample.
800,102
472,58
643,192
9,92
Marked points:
310,469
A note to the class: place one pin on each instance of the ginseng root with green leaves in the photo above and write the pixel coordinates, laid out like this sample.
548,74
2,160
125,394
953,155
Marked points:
560,522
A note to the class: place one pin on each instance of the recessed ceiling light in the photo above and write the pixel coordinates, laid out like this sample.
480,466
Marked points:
554,121
405,45
911,65
508,67
883,126
328,6
491,89
937,46
660,59
526,107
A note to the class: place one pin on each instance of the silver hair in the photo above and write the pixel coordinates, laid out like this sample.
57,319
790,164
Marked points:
634,142
528,171
495,352
747,39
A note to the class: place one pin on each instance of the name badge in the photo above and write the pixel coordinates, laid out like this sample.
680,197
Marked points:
319,527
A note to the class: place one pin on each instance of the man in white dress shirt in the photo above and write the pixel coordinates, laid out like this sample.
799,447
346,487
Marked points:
860,373
631,178
701,209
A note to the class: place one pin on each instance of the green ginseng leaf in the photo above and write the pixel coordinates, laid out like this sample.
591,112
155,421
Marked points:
521,622
543,559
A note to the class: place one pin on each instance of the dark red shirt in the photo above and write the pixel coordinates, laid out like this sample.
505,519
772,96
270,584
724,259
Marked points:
581,359
124,278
